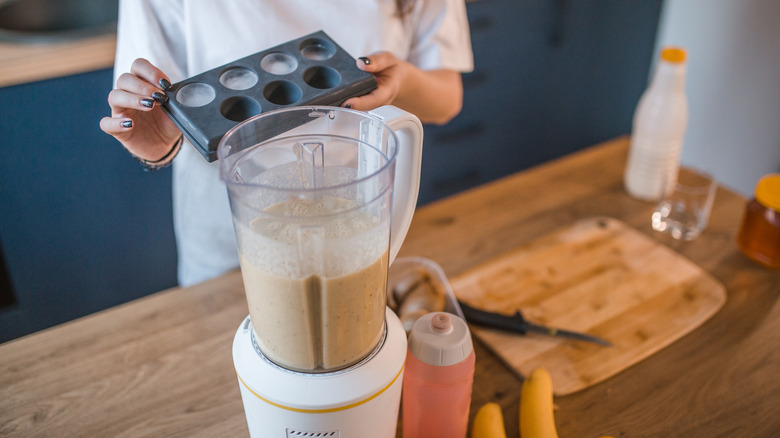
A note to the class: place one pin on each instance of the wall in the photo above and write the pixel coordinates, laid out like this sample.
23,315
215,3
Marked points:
733,85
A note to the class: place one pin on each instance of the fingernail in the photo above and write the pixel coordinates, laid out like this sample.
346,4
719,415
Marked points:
348,106
365,60
127,124
149,103
160,97
164,84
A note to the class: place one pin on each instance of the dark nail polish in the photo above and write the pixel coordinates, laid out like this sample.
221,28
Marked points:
149,103
365,60
348,106
127,124
164,84
160,97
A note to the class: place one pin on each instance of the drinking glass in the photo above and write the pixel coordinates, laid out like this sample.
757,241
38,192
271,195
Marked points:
685,208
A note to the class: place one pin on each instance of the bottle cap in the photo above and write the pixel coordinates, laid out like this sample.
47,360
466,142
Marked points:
768,191
440,339
675,55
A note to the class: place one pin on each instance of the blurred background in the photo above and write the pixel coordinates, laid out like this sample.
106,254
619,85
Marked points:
83,227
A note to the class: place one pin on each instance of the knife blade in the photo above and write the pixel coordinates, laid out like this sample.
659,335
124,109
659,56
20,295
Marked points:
518,324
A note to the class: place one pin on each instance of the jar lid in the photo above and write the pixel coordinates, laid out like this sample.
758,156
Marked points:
440,339
768,191
675,55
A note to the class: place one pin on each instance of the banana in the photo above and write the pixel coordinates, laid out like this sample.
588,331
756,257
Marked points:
489,422
536,406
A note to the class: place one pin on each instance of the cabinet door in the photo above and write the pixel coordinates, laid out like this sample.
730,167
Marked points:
550,77
82,226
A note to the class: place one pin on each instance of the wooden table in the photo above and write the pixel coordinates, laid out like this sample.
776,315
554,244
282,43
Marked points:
162,366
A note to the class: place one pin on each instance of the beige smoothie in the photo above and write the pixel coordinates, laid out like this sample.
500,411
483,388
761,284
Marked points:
315,285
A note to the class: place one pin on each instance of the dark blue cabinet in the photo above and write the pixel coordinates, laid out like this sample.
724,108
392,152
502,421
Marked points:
551,77
82,226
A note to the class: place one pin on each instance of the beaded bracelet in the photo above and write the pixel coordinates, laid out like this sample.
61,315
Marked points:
151,166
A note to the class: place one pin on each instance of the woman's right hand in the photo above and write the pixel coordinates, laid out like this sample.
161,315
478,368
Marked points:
137,120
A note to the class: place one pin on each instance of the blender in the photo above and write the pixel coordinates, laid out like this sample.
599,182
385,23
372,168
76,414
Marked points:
321,199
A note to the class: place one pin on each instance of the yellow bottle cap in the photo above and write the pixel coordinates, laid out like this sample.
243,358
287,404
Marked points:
768,191
675,55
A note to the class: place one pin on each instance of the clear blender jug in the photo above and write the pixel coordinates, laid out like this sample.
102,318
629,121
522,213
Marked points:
312,193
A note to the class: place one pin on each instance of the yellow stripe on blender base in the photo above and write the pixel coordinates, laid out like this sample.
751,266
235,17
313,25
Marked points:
323,411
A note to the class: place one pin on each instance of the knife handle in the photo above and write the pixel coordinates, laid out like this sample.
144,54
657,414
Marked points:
514,323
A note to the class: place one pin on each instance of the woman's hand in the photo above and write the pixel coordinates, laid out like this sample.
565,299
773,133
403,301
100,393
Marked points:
434,96
136,119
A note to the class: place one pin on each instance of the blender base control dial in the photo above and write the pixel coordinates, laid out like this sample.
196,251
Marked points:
311,70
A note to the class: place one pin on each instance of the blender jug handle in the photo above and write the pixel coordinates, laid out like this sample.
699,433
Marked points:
406,184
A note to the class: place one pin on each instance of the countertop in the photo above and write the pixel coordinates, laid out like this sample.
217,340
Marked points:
22,63
162,365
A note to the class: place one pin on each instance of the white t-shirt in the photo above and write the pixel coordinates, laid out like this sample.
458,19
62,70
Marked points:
187,37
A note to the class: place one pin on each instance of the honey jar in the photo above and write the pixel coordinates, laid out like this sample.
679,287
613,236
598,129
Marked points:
759,235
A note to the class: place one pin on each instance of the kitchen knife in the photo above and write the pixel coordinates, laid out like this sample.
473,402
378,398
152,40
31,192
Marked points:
516,323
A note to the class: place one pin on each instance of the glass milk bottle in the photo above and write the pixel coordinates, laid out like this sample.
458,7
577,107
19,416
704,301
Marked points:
658,129
438,378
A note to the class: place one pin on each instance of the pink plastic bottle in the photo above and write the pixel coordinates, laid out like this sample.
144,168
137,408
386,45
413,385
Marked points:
438,378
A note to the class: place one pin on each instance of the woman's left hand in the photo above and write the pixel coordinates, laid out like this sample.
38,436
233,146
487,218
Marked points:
389,73
434,96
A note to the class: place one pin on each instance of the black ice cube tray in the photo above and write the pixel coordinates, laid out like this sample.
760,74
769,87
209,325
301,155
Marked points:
311,70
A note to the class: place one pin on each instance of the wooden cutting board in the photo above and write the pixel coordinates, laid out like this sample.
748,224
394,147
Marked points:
598,276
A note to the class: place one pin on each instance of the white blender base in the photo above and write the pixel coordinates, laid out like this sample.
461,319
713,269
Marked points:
360,401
